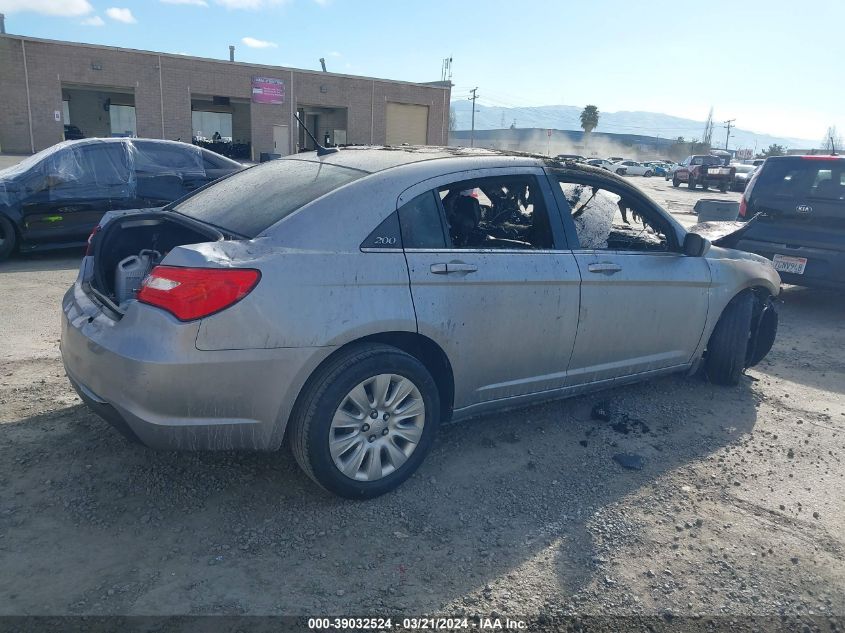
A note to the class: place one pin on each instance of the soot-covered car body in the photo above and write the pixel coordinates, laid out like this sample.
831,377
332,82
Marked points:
354,300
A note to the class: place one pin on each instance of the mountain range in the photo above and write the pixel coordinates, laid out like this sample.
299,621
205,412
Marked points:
564,117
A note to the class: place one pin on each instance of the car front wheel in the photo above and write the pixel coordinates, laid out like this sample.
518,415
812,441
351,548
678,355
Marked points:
365,421
728,345
620,172
647,174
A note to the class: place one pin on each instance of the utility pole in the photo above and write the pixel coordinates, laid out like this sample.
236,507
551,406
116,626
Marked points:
472,131
727,126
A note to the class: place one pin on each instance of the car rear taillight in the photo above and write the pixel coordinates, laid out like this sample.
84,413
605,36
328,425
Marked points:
89,249
194,293
743,207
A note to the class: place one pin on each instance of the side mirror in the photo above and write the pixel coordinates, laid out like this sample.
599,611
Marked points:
695,245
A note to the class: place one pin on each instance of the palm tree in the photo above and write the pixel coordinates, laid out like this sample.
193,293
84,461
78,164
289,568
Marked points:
589,118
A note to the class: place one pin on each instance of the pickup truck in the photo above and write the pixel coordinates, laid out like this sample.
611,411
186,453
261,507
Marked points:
705,170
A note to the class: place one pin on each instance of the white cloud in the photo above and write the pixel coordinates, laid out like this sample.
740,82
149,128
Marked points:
254,43
249,4
194,3
69,8
121,15
93,21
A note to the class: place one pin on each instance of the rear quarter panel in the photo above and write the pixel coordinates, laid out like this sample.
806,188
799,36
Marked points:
305,298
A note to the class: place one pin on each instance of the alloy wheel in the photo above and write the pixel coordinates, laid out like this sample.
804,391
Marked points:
377,427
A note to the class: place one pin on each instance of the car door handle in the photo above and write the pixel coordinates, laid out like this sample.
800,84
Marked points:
453,267
606,268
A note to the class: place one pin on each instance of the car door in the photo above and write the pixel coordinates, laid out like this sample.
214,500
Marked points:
634,168
643,303
492,280
166,171
71,189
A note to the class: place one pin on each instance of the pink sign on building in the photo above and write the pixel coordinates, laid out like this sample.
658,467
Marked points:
268,90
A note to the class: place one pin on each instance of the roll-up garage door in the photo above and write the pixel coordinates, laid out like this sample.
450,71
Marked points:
407,124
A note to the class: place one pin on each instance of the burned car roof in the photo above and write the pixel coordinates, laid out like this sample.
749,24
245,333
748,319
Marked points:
375,158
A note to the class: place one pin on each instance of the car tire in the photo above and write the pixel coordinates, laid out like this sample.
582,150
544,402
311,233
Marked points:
675,182
691,182
8,237
648,174
723,188
327,396
728,345
620,172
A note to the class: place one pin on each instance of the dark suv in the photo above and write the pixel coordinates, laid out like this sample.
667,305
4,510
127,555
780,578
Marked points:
56,197
801,223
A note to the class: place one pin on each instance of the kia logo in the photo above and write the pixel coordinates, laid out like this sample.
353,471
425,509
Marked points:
803,208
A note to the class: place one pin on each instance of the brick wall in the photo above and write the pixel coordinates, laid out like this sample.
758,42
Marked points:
54,64
14,122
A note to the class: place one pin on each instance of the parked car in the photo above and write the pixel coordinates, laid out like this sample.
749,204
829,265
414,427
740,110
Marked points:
705,170
73,133
575,157
798,206
600,162
278,303
742,176
658,168
54,199
615,159
632,168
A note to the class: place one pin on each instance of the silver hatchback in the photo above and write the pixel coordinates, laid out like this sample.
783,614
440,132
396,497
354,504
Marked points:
357,299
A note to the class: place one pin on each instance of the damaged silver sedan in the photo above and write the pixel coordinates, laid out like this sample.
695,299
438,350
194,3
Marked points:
352,301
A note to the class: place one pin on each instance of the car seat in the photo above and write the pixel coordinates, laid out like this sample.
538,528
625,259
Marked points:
463,220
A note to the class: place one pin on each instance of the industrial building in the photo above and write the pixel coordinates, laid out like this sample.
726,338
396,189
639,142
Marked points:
241,109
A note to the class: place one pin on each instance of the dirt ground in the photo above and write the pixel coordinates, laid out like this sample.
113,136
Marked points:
738,510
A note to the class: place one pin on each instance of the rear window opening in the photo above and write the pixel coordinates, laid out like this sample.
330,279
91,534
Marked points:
128,248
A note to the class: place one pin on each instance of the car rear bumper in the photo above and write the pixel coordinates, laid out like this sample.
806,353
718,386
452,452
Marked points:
144,375
825,268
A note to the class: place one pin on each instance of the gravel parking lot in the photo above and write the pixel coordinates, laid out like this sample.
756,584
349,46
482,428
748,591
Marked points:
739,508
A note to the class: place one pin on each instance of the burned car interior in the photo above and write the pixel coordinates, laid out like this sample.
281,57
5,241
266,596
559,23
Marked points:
505,213
607,220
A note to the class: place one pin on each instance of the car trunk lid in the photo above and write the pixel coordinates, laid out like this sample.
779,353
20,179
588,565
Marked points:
126,247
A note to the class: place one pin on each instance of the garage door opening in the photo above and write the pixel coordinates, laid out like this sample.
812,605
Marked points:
222,124
407,123
98,112
327,124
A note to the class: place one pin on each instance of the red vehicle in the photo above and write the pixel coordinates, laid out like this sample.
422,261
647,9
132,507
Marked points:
705,170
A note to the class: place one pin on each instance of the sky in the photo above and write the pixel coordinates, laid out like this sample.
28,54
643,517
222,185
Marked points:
773,65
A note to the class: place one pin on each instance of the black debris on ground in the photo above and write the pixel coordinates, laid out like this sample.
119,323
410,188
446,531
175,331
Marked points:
629,461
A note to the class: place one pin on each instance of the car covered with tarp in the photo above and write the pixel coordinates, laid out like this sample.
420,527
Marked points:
56,197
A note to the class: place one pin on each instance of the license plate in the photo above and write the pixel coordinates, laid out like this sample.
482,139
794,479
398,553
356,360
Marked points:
718,171
787,264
